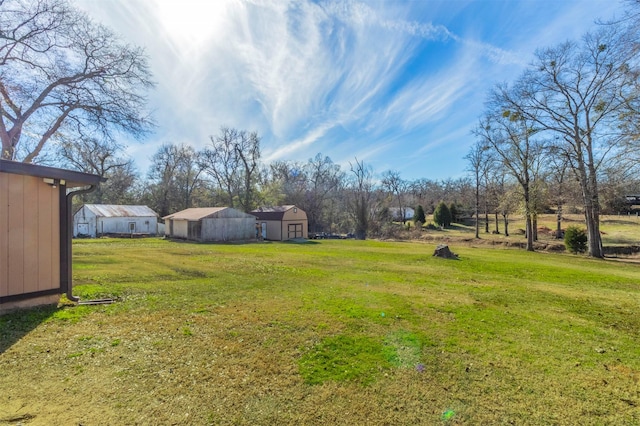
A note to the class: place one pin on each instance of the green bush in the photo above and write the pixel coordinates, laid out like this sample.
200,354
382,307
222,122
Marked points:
442,215
418,215
454,212
575,239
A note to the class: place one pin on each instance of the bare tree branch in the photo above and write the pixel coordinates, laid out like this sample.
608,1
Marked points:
57,66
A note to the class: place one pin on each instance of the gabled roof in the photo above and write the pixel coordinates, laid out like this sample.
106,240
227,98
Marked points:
194,213
71,178
114,210
197,213
271,213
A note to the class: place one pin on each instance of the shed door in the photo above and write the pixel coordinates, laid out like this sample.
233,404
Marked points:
295,230
263,227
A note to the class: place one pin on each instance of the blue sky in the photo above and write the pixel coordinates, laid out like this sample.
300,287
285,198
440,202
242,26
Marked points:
397,84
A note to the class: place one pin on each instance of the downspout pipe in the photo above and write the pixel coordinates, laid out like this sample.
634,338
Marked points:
66,236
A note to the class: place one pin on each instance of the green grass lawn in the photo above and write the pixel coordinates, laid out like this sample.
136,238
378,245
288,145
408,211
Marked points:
328,332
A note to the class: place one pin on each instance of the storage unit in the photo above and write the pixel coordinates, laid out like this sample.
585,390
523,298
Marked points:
35,232
282,223
211,224
94,220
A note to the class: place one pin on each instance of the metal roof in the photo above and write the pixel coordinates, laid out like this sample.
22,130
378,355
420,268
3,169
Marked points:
114,210
197,213
194,213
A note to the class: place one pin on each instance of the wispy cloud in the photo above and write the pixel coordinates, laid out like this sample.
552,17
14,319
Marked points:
347,76
341,61
305,141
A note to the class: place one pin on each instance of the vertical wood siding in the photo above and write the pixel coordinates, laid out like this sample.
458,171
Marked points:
15,262
29,235
4,233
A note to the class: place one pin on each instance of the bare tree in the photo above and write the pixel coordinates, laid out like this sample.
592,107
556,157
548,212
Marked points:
558,171
509,203
62,74
360,197
427,193
284,183
312,186
232,161
162,173
397,187
323,178
175,173
478,158
188,174
578,93
101,158
512,138
248,154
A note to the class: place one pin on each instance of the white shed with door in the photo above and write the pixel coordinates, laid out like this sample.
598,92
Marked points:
94,220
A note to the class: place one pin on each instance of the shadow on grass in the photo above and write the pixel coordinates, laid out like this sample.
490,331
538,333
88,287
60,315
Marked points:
15,325
458,227
239,243
301,241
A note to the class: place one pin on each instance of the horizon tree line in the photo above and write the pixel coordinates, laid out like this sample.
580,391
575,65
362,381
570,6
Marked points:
568,125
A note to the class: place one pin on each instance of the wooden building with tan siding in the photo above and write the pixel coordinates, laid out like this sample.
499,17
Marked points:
35,232
281,223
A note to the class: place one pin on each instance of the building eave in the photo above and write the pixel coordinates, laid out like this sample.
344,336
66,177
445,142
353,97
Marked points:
71,178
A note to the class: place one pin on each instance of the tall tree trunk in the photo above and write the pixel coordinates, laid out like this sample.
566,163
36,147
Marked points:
529,232
559,221
589,187
506,224
477,208
593,233
593,224
592,219
528,216
486,217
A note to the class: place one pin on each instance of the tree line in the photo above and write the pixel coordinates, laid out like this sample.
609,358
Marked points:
571,118
563,134
353,199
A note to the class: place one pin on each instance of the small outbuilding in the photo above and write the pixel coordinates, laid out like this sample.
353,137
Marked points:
208,224
35,232
282,223
401,214
95,220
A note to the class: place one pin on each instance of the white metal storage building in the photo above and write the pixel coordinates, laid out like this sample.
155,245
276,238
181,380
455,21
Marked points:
94,220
